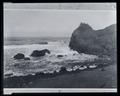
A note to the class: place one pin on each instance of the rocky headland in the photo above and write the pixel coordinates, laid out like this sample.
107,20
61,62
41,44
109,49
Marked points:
101,42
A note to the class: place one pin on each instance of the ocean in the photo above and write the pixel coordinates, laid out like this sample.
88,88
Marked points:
46,64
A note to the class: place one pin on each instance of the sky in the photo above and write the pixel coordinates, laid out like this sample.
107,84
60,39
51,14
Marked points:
36,22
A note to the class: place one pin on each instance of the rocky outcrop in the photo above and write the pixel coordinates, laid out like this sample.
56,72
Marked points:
19,56
63,69
98,42
26,58
59,56
39,53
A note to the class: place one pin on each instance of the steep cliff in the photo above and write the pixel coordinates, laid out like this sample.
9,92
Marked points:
99,42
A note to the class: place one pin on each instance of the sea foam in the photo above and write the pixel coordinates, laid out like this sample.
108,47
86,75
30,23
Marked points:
47,63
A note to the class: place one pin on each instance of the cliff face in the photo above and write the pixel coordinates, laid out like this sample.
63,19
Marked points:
98,42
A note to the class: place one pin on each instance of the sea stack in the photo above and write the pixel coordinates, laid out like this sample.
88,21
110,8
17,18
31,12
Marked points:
39,53
85,39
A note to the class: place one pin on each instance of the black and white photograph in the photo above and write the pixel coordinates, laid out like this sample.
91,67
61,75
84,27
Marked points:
59,47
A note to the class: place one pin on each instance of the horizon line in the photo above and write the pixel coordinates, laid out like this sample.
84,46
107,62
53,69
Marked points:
50,9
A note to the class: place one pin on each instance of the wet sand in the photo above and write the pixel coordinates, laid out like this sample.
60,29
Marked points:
92,78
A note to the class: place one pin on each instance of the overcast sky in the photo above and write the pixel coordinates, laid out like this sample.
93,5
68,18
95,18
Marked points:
19,22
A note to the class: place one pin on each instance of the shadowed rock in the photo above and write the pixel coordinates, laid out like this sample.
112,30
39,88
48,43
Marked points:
39,53
59,55
19,56
63,69
26,58
98,42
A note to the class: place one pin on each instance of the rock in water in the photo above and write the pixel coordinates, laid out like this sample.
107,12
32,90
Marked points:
59,55
38,53
63,69
26,58
46,51
19,56
98,42
43,43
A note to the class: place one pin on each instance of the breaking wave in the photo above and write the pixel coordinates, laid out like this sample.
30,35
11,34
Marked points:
48,63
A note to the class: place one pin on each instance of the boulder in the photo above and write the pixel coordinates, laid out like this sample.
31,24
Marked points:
19,56
46,51
39,53
63,69
26,58
85,39
59,55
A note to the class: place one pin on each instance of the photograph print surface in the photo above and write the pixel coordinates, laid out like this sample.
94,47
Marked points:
60,45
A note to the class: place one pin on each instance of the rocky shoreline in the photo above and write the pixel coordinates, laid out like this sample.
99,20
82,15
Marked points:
76,75
19,81
73,67
30,80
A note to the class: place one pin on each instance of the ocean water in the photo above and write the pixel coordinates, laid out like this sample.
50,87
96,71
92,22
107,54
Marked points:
48,63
